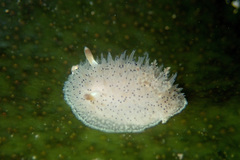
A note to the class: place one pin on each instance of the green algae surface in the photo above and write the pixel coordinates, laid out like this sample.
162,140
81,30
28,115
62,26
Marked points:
41,40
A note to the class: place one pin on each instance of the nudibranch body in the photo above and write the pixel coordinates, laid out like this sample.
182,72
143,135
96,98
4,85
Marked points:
121,94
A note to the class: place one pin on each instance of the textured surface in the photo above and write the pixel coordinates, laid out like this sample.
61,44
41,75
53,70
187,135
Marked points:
41,40
123,95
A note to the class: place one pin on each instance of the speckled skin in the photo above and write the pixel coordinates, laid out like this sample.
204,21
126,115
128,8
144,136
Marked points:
122,95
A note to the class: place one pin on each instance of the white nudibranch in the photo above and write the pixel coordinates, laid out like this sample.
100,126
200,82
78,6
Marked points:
122,94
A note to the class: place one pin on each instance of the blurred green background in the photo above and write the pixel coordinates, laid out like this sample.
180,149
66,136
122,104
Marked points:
40,41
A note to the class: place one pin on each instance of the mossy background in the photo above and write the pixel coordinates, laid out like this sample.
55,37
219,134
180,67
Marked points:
40,41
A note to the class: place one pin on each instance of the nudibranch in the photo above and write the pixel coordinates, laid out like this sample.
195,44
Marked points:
122,94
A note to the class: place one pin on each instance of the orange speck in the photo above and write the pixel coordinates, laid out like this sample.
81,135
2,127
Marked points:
89,97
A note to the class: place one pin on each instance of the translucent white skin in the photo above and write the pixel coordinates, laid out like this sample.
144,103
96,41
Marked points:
122,95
